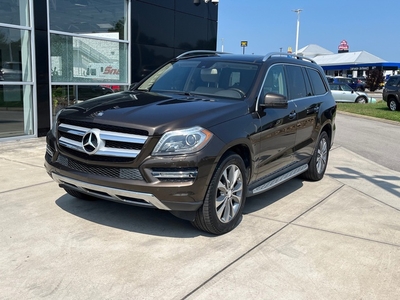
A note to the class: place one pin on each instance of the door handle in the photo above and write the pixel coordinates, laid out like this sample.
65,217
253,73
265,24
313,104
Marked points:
292,115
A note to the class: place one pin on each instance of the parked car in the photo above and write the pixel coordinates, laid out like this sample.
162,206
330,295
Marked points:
355,83
391,92
198,136
344,93
11,71
330,79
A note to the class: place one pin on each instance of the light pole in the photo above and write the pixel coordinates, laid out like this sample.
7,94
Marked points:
298,27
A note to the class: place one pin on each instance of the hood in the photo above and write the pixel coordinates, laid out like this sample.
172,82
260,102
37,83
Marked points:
156,113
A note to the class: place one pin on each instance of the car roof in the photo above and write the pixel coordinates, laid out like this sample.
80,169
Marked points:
248,58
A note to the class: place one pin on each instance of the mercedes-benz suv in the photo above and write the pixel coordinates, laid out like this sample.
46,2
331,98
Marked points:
198,136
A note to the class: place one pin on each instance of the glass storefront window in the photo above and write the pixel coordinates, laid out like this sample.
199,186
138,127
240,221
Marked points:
16,110
78,59
66,95
89,16
15,56
14,12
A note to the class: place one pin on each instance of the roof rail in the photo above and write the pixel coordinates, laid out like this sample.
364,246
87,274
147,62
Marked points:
269,55
199,52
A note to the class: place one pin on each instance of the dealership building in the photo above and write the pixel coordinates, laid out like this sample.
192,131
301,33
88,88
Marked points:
55,52
346,63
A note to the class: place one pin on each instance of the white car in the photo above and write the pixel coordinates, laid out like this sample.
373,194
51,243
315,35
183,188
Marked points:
343,93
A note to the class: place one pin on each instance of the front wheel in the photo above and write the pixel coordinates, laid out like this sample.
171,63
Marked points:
319,160
361,100
393,105
223,204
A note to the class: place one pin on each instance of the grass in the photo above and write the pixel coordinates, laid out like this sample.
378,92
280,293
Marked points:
376,110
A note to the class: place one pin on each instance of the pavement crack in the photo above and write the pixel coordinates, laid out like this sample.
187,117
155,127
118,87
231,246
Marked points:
347,235
260,243
26,187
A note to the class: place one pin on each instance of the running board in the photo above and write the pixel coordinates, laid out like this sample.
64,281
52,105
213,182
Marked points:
277,181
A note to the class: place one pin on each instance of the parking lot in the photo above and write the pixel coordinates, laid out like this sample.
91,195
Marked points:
334,239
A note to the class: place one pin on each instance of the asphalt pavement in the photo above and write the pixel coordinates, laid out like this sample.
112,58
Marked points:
334,239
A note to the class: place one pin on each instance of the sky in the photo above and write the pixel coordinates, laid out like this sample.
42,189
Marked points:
269,25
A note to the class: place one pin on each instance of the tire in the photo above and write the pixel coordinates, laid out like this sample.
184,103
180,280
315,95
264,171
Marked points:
393,104
361,100
225,198
79,195
319,160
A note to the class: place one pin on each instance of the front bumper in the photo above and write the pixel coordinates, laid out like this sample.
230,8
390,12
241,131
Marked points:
144,188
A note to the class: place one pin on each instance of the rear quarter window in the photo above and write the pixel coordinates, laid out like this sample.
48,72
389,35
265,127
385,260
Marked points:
317,82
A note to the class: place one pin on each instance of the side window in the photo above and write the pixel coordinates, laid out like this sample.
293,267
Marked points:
275,81
317,83
296,84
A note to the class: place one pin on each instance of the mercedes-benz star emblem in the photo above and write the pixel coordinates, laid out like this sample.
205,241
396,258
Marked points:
91,141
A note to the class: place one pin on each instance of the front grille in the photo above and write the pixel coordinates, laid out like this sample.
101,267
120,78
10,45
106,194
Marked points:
102,142
111,172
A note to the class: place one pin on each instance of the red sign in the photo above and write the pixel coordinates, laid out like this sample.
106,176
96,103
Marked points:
343,45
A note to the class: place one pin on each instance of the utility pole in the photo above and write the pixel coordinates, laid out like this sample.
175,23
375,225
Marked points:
298,28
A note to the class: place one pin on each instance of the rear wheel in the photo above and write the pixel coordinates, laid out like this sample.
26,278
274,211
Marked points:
319,160
225,198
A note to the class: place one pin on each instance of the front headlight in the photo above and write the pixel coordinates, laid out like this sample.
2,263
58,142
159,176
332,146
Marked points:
182,141
54,127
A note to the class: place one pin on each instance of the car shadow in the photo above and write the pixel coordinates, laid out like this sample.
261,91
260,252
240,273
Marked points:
267,198
129,218
159,222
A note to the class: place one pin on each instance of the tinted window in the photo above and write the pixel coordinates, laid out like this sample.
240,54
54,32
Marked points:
15,12
392,81
90,17
274,81
316,81
296,84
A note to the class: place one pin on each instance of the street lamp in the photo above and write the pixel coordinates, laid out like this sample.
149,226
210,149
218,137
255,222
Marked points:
298,27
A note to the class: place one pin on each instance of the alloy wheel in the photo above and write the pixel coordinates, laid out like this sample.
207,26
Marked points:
322,155
229,193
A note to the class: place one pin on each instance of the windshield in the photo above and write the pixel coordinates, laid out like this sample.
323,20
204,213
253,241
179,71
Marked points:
223,79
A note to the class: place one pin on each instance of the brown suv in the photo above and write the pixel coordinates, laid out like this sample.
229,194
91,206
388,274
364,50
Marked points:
198,136
391,92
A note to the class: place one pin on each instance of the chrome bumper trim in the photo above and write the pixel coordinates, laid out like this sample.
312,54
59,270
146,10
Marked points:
108,193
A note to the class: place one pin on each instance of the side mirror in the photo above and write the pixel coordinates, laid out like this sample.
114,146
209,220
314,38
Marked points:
274,100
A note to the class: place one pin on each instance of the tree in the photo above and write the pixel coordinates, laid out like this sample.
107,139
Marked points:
374,79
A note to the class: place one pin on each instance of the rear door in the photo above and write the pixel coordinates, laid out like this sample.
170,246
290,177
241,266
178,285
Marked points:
308,102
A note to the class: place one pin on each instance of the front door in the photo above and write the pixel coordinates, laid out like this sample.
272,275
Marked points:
277,127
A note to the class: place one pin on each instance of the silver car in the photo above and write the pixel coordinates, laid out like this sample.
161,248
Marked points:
343,93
